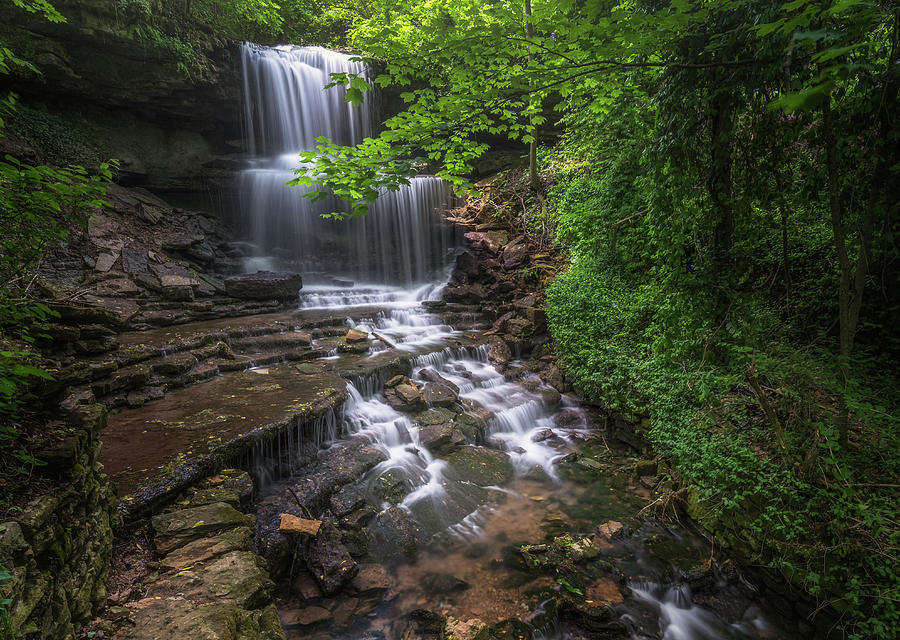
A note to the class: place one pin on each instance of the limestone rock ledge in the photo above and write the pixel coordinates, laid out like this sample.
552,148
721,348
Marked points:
210,583
57,550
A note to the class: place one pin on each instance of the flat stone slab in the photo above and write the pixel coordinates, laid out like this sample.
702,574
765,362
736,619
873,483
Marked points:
142,443
264,285
238,578
177,528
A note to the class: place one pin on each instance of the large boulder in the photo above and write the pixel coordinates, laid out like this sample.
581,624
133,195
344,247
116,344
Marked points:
264,285
515,254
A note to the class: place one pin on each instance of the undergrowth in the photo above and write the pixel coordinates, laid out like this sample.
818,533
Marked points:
742,400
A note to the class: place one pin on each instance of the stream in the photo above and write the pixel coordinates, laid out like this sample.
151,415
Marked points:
498,499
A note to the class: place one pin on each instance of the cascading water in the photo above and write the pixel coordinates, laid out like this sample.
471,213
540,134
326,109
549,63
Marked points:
384,266
402,241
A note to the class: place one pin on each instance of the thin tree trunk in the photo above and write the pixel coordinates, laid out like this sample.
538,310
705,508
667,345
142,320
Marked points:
785,254
840,244
532,146
719,184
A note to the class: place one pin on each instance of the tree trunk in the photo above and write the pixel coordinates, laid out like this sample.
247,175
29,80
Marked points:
532,146
840,244
719,183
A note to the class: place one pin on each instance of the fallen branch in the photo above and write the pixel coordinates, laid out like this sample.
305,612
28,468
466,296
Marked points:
390,343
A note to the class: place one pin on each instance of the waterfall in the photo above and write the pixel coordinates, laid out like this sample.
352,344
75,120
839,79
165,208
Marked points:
403,241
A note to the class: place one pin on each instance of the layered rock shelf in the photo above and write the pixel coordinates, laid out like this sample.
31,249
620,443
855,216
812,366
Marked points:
190,399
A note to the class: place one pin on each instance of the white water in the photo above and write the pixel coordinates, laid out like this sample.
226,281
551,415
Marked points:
402,241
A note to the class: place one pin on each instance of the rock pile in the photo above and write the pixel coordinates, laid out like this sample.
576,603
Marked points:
210,583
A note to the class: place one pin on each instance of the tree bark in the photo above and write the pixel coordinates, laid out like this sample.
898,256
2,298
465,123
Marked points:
532,146
719,183
840,245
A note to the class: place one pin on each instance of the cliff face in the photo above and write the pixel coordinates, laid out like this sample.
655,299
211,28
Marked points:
57,548
167,108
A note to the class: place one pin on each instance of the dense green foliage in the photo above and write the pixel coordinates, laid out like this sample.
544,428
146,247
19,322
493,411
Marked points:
726,192
38,207
183,28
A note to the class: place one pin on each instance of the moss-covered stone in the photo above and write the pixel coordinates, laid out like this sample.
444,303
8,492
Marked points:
180,527
484,467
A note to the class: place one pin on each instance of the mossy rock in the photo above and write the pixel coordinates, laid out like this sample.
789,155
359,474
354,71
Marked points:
484,467
180,527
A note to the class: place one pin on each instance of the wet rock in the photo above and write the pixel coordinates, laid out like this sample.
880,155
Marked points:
273,341
442,583
329,561
390,486
606,532
442,439
519,327
484,467
646,468
551,397
543,434
421,622
439,395
238,578
473,425
430,375
306,587
305,617
354,523
554,377
103,313
123,379
358,348
342,615
217,350
405,397
538,318
347,500
264,285
473,629
568,417
525,302
395,535
291,524
371,578
308,369
499,352
181,618
354,336
398,379
435,416
174,365
433,305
